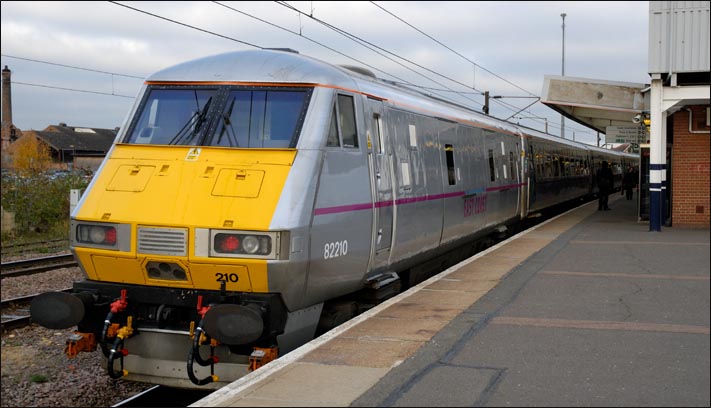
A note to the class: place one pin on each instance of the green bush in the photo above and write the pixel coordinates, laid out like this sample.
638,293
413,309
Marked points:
40,203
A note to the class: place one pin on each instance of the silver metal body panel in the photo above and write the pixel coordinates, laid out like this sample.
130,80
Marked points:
416,166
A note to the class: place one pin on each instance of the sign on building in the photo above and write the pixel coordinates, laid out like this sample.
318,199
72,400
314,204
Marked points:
626,134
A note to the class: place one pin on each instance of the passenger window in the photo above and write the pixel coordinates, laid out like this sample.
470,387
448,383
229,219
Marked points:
379,130
512,164
492,173
346,115
556,167
449,153
333,140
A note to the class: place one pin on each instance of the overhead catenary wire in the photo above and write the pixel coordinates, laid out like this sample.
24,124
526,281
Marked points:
455,52
187,25
512,107
244,42
342,32
71,66
347,35
306,38
71,89
368,44
354,38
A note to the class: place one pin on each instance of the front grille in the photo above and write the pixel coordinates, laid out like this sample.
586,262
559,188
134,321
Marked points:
162,241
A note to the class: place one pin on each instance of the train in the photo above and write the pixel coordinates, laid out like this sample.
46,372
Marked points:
255,199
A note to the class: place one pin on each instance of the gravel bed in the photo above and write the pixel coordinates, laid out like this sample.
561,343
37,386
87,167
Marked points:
36,372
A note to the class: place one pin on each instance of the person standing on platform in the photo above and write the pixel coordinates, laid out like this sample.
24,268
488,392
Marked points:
604,185
629,182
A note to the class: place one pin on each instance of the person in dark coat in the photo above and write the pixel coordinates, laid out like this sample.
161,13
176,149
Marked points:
604,185
629,182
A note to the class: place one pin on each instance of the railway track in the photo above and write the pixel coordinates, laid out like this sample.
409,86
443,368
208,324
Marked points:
36,265
16,312
49,246
161,396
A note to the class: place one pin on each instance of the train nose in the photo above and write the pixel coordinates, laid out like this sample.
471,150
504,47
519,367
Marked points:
233,324
59,310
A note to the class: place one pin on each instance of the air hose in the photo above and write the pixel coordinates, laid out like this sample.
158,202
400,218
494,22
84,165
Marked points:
194,356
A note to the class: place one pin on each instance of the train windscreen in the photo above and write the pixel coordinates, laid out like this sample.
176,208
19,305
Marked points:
227,116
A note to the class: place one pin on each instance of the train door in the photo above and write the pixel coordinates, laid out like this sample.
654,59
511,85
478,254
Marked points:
380,161
511,176
521,176
534,165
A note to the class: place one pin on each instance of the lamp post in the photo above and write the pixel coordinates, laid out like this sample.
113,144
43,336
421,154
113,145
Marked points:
562,118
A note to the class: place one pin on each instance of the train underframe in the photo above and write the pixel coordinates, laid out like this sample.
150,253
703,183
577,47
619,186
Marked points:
160,334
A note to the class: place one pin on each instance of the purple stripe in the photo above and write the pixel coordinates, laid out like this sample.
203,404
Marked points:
343,208
379,204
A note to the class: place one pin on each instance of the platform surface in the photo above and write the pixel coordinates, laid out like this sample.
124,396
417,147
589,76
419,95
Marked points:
588,309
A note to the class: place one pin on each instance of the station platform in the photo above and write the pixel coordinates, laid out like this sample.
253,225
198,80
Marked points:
587,309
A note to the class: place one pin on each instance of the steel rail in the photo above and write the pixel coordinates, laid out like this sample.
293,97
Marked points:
36,265
10,322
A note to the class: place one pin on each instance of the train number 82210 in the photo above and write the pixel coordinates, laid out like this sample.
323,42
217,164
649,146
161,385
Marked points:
335,249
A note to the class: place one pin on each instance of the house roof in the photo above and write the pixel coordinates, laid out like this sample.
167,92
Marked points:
78,139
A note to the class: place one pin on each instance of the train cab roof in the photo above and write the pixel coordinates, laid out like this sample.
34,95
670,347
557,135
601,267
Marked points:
287,66
270,66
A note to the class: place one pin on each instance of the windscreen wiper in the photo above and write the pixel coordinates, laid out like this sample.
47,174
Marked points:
231,138
184,136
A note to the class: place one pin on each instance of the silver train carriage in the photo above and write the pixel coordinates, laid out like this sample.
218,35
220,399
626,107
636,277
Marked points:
255,199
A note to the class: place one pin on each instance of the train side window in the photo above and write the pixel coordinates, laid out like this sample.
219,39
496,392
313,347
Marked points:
512,164
492,173
378,123
556,167
413,136
346,116
333,140
449,153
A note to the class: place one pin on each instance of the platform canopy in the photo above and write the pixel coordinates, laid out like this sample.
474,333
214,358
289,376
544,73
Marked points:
595,103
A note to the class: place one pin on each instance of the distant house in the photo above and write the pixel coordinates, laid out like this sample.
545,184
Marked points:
74,146
624,147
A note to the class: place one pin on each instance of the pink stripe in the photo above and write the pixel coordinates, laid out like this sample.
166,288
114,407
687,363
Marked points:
343,208
380,204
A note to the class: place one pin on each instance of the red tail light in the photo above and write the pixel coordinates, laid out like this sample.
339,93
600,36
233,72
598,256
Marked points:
227,243
110,237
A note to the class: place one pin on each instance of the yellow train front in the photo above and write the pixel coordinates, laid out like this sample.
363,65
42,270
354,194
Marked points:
194,232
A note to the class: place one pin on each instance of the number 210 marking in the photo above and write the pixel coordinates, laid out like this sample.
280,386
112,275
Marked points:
226,277
335,249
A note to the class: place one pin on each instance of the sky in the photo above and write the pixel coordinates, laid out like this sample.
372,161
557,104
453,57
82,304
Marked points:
83,63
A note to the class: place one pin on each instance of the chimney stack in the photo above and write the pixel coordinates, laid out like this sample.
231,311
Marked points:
7,127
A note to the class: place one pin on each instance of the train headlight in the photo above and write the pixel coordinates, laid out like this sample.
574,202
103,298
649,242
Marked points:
251,244
98,235
240,244
101,235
